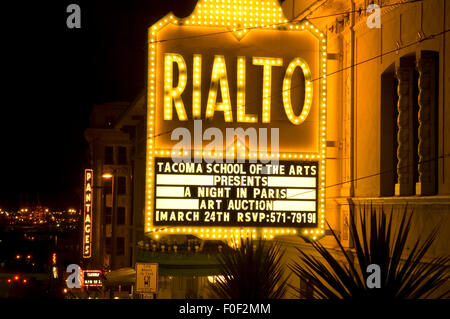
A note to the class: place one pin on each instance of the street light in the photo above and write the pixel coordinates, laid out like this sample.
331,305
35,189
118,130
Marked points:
113,176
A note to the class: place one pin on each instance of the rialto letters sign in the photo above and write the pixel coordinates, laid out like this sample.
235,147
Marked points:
236,122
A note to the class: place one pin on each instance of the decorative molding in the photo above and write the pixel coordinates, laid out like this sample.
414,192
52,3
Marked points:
347,133
426,65
361,19
410,201
345,225
340,23
405,166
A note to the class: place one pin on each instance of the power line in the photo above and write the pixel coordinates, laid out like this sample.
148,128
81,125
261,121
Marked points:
379,173
430,37
329,74
371,175
361,9
311,11
348,67
350,181
345,68
277,24
351,66
359,63
339,184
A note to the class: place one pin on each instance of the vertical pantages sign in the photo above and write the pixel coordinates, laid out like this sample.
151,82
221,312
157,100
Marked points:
87,218
236,65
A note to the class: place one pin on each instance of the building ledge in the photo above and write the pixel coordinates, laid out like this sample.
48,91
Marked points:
395,200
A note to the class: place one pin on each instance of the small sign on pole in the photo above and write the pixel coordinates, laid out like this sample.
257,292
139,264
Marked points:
146,277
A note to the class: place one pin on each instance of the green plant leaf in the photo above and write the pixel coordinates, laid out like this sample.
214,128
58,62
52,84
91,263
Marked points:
377,240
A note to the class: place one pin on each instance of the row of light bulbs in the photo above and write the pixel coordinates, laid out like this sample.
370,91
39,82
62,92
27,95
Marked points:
230,233
245,153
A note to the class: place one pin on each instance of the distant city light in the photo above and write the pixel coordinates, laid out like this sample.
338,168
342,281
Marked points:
55,272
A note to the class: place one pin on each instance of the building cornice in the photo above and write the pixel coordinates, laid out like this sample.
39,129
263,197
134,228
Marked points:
387,8
395,200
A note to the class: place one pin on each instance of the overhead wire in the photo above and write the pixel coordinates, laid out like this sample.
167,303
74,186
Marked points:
234,29
353,180
330,74
432,36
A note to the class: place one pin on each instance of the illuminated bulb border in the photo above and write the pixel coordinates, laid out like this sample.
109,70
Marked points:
224,232
204,15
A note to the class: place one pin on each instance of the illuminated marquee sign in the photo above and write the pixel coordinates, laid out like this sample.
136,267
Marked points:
92,278
236,194
87,219
236,65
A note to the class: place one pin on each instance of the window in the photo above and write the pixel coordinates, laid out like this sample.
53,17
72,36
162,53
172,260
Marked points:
120,215
122,155
107,186
109,122
428,123
108,245
409,135
108,215
415,109
121,185
120,246
109,155
389,131
131,256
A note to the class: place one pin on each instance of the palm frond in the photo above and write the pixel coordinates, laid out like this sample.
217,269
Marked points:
377,240
253,271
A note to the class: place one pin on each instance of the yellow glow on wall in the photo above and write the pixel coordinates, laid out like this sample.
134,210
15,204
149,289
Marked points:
267,63
240,17
174,93
226,233
298,62
219,78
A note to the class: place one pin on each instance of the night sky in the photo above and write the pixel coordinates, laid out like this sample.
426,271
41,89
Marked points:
53,75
